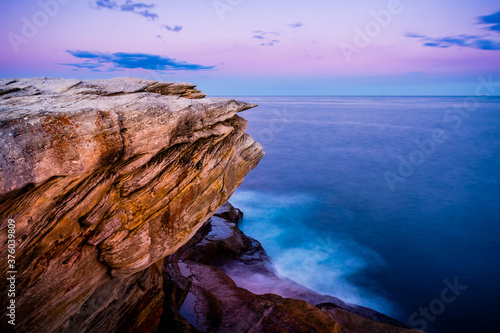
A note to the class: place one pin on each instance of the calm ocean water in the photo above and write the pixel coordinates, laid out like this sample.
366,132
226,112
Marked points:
387,202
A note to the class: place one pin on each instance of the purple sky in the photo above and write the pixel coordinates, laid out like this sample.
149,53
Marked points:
260,47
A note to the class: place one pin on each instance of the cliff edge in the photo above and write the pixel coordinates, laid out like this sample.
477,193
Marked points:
101,180
104,178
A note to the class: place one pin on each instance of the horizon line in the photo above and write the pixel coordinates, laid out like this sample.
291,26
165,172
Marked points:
208,95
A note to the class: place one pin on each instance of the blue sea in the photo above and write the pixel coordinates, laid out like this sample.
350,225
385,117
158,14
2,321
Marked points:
387,202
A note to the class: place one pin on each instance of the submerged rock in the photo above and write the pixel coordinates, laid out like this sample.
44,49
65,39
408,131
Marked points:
223,281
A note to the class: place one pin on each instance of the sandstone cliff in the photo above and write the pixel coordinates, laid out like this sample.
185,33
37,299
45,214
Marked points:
104,178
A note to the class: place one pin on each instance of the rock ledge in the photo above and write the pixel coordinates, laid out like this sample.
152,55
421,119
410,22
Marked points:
105,178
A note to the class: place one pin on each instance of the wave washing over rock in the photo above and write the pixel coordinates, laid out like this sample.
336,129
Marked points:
106,178
209,282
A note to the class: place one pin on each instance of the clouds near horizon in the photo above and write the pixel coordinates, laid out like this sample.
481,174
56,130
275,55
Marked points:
465,40
472,41
99,61
493,20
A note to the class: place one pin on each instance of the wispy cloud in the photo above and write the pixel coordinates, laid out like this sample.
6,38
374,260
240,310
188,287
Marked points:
176,28
471,41
464,40
268,38
130,6
106,4
271,43
492,20
414,35
296,25
84,65
121,60
263,33
138,8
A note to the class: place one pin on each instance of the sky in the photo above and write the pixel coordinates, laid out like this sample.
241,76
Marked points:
259,47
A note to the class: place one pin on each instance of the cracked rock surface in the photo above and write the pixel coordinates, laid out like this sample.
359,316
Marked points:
105,178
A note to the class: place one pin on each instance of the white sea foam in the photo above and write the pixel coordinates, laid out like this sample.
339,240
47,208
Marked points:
314,258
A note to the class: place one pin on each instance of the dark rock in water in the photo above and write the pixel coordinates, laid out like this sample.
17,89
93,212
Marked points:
223,281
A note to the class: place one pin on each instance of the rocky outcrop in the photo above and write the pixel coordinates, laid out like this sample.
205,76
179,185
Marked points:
104,178
181,89
223,281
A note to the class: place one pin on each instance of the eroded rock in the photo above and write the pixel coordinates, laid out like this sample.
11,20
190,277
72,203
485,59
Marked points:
104,178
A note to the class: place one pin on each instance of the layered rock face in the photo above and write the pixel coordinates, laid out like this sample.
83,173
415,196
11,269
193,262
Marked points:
223,281
104,178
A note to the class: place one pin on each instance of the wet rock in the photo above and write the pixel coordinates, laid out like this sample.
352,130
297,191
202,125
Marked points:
223,281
